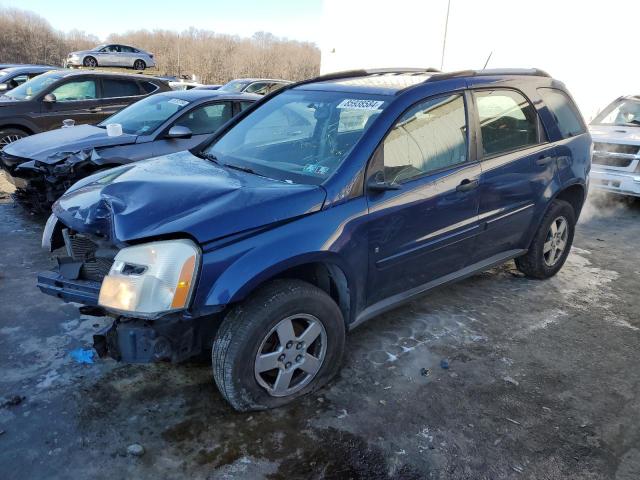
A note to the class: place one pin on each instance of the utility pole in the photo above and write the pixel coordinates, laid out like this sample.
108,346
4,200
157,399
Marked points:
444,40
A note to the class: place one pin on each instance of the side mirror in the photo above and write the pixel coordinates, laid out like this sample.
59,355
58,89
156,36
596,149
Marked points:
178,131
4,87
377,183
49,98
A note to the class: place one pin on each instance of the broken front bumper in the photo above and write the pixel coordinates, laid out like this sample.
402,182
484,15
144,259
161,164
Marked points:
79,291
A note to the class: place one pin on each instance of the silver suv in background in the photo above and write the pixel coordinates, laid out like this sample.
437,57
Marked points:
112,55
616,147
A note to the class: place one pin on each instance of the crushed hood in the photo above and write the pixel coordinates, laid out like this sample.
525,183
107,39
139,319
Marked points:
50,147
181,193
615,134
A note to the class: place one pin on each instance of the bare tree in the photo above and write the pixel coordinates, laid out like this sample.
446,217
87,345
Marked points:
25,37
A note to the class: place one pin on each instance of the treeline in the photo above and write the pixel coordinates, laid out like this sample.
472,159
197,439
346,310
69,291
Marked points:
213,58
216,58
28,38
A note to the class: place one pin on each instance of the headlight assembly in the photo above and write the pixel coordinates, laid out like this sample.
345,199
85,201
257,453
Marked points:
151,279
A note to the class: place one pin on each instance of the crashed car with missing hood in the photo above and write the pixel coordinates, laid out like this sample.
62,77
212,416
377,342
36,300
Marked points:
43,166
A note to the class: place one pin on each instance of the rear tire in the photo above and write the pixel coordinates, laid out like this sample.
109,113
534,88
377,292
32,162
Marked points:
551,243
139,65
90,62
253,358
10,135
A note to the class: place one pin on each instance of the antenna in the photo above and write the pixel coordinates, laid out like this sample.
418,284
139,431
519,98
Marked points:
444,40
487,62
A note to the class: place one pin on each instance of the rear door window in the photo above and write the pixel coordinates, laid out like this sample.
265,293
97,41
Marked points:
508,121
114,88
564,111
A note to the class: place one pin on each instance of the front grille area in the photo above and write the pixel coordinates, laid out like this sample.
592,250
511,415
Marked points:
620,162
96,262
616,148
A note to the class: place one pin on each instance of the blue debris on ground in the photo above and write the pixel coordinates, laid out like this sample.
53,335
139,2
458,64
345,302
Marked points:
82,355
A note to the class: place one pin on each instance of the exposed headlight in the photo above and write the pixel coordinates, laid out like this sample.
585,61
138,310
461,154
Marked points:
151,279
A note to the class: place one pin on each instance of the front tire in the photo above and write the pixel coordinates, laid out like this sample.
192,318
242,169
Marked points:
139,65
283,342
90,62
10,135
551,243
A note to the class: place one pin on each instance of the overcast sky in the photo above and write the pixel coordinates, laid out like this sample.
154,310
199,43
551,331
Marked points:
295,19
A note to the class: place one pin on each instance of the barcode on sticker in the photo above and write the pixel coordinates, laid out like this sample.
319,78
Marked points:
355,104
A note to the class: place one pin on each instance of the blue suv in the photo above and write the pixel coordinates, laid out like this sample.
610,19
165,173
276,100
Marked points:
320,206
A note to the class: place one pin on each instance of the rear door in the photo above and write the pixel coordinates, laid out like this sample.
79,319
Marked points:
425,229
117,93
203,120
77,99
518,167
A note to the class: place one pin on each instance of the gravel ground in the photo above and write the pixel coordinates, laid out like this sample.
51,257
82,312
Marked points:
542,383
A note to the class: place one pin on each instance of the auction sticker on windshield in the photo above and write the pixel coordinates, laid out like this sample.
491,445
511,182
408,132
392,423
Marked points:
356,104
177,101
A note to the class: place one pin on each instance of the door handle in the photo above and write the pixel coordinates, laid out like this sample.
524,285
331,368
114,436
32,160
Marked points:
544,160
94,109
466,185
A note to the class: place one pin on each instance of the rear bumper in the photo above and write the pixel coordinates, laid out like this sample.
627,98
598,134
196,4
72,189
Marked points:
624,183
80,291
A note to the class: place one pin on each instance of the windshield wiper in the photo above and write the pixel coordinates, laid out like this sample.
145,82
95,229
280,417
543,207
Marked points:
209,156
242,169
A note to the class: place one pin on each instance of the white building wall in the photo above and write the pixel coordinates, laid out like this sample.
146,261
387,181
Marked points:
590,45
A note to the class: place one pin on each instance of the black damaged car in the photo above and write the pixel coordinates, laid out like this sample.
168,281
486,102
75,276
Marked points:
43,166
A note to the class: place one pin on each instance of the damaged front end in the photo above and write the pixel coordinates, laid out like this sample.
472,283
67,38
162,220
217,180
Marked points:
83,262
39,183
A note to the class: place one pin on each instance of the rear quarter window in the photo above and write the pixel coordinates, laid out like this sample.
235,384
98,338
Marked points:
149,87
564,111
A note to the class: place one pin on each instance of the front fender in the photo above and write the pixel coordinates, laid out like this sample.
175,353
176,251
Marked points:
336,236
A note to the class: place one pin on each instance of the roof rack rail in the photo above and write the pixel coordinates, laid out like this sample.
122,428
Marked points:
532,72
365,73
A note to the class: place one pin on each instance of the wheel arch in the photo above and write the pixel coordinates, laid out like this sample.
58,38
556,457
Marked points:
19,126
575,194
322,270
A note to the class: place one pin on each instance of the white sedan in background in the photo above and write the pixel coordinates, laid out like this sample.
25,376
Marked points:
616,147
112,55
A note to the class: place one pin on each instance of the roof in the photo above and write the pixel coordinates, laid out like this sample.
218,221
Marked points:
29,68
196,95
260,80
96,73
392,81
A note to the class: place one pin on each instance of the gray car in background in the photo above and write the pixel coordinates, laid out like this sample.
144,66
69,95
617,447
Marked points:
13,77
111,55
257,86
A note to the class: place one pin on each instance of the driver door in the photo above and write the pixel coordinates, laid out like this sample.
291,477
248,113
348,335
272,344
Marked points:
425,228
77,99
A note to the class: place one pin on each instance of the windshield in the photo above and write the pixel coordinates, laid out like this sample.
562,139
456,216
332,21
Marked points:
299,136
234,86
33,87
623,112
145,116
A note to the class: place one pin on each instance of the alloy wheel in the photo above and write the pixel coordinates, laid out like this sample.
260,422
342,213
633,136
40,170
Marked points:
291,355
7,139
556,241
